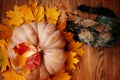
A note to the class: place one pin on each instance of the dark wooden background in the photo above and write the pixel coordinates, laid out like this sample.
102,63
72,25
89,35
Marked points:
97,63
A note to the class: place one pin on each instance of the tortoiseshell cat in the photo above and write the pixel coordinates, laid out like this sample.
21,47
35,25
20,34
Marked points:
101,32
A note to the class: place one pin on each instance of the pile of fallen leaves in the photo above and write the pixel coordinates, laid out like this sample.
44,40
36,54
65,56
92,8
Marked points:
29,13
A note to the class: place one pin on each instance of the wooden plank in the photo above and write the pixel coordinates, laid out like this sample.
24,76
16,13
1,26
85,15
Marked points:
46,3
0,10
6,5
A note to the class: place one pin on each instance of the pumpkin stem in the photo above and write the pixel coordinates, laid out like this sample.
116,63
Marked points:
40,50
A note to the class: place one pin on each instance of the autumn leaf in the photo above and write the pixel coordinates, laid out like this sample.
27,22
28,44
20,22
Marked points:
68,36
63,17
33,6
52,14
61,75
61,26
14,18
5,32
40,14
38,11
12,75
71,60
76,47
4,63
80,51
27,13
19,61
18,16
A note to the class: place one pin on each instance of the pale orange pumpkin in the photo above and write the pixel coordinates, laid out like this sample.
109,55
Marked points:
47,40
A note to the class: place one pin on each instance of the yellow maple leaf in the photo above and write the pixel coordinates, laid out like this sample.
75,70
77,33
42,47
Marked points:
27,13
40,14
61,75
71,60
25,72
33,6
18,16
4,63
52,14
38,11
14,18
12,75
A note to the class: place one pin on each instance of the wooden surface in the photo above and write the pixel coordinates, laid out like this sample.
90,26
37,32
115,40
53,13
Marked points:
97,63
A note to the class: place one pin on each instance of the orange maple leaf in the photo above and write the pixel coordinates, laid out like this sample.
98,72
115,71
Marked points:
5,32
76,47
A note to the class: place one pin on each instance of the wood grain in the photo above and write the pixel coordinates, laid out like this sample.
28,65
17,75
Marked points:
97,63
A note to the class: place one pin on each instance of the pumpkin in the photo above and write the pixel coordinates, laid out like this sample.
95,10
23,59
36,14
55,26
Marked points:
38,38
